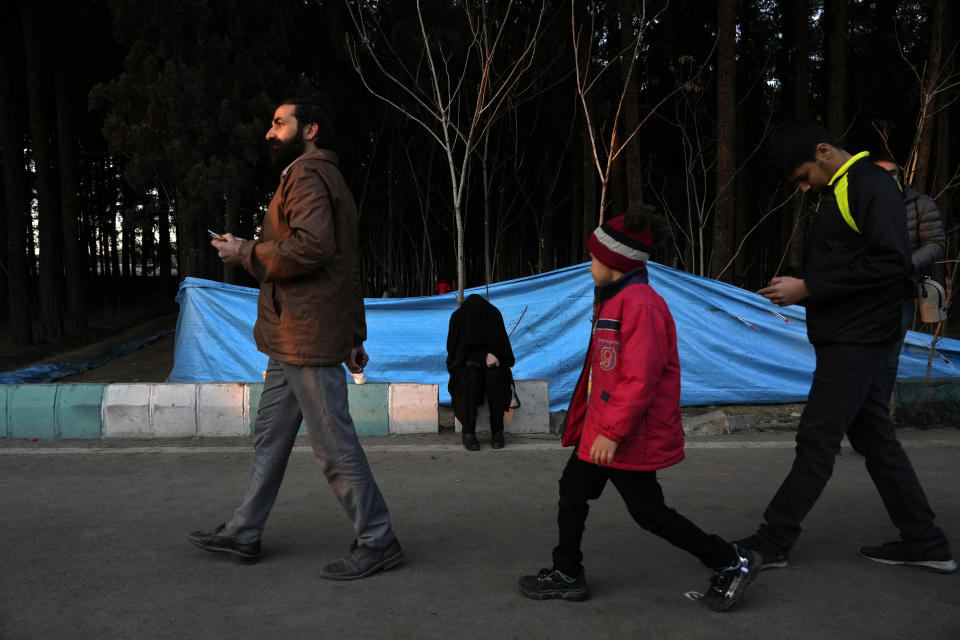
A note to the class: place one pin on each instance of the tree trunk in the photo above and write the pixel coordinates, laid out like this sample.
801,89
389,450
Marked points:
837,46
68,136
615,200
485,167
801,59
126,240
231,223
725,214
163,239
12,165
391,275
591,217
188,254
147,259
939,29
630,117
42,128
801,99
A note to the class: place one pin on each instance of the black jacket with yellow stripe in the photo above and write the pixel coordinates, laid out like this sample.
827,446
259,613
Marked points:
857,266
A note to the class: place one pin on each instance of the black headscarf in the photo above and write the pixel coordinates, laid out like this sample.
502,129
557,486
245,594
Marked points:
477,328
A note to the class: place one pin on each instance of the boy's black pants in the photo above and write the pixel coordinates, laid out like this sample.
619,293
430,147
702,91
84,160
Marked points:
583,481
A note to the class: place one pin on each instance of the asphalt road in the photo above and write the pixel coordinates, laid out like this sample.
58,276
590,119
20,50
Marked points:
93,545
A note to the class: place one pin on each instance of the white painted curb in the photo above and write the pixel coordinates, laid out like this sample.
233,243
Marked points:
413,408
175,410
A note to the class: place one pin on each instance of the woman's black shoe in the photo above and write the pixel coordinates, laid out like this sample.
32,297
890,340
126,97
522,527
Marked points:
470,442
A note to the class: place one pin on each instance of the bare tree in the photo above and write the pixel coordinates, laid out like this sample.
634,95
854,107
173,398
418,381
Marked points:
837,49
454,95
724,226
691,224
936,81
605,151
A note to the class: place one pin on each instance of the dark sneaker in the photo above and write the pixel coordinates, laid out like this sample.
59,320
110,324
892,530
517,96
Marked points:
361,562
727,586
770,557
470,442
550,583
496,440
246,551
904,553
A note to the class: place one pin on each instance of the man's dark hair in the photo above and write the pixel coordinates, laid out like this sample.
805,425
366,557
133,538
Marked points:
307,111
882,157
794,142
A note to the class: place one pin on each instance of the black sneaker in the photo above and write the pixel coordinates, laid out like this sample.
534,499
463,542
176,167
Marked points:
361,562
244,551
900,552
770,557
550,583
727,586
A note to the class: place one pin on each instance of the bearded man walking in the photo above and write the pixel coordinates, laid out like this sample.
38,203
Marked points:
310,320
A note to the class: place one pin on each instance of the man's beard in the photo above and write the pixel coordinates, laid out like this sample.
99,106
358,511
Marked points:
284,152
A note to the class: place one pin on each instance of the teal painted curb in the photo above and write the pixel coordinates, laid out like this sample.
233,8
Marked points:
78,411
51,411
4,423
254,391
31,411
368,407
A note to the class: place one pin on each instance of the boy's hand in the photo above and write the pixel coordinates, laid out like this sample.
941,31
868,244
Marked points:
785,291
601,453
492,360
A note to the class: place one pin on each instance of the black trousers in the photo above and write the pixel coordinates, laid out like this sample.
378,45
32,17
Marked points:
850,395
582,481
474,384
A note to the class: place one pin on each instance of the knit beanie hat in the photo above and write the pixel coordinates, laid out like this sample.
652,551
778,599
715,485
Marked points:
620,249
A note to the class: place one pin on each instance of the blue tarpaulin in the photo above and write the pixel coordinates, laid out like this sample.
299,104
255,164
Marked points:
735,346
50,372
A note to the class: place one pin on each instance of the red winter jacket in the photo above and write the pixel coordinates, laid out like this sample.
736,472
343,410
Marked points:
634,370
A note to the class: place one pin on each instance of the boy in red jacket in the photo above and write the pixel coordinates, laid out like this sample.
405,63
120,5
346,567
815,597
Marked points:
624,422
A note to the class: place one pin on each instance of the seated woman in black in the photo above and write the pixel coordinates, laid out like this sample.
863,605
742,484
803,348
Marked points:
479,358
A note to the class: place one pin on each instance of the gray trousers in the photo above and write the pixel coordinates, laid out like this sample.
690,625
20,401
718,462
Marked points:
318,397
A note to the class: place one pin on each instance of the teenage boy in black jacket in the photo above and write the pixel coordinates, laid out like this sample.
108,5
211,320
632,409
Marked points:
857,274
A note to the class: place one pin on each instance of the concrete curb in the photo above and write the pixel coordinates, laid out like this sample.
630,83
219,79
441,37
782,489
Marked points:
532,416
209,410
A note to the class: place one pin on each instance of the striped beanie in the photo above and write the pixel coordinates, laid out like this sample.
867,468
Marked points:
618,248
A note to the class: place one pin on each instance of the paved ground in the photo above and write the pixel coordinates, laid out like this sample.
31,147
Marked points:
93,545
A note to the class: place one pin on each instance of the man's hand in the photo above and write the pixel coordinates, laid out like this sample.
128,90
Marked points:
228,249
358,360
601,453
492,360
785,291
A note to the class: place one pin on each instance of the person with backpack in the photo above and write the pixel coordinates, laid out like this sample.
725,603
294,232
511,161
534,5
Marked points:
856,276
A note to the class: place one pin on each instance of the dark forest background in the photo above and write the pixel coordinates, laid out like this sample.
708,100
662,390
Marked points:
483,140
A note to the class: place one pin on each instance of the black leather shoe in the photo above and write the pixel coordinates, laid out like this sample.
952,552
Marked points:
470,442
496,440
361,562
246,551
